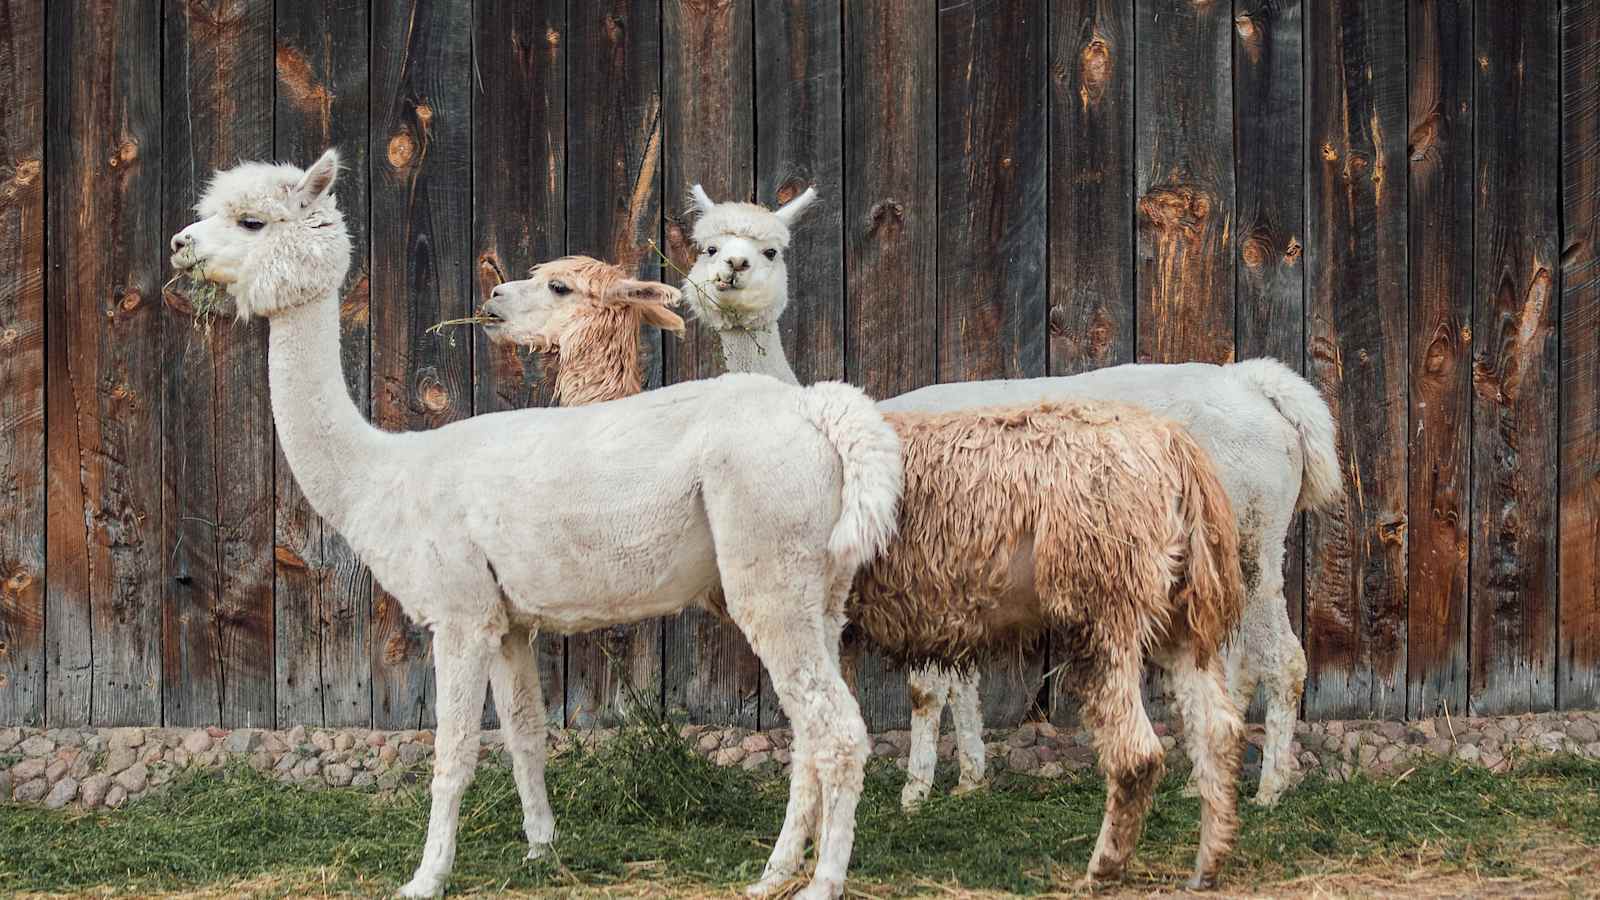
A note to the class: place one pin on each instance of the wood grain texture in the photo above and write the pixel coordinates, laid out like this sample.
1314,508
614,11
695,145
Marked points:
890,205
799,121
422,273
613,211
1183,112
1579,523
105,245
1356,339
1514,377
22,328
216,424
1091,314
708,130
1439,167
323,593
992,224
519,124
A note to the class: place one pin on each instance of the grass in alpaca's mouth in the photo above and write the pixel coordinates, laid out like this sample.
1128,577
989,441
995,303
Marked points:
486,319
190,291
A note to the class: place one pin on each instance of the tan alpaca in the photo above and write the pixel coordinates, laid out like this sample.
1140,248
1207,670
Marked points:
1097,520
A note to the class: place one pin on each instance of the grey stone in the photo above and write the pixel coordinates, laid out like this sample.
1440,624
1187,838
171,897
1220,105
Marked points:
344,742
308,767
31,791
28,769
1023,736
5,785
1021,759
38,745
363,779
94,790
242,740
61,793
338,774
296,736
728,756
1467,753
127,737
56,769
1393,731
287,762
261,760
411,754
197,742
116,796
119,758
756,760
322,741
1582,731
709,742
68,737
273,743
9,737
759,743
134,778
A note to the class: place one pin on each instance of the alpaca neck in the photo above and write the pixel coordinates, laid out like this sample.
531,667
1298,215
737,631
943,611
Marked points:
329,444
756,349
599,358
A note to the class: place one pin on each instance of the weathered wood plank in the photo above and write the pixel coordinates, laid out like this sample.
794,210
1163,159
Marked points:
1269,293
1091,185
708,129
216,425
422,273
890,219
1579,662
992,223
1514,436
103,354
1183,119
1439,151
519,212
1356,339
22,365
613,211
323,593
799,117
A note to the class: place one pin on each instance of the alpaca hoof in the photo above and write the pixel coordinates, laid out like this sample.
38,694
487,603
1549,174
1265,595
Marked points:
1270,792
1199,882
969,787
820,889
537,849
421,886
769,884
912,797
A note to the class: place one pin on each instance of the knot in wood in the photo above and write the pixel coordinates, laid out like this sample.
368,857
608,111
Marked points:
434,396
1255,251
789,190
552,36
1328,153
19,581
1094,70
402,149
615,28
1179,210
131,301
1292,253
1058,320
424,114
27,172
126,153
8,337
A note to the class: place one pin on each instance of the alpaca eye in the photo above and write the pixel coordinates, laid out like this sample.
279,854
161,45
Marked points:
770,253
711,251
560,288
249,224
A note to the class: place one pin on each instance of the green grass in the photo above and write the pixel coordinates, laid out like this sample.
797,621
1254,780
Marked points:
644,808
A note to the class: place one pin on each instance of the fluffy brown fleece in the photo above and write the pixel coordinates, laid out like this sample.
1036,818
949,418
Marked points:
1082,515
599,346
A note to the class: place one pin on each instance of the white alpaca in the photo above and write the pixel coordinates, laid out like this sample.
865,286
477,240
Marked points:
1268,432
489,529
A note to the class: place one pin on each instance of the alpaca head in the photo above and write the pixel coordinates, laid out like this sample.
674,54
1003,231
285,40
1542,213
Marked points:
740,279
272,235
557,302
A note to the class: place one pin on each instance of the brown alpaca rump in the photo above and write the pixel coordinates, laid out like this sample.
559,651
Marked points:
1091,516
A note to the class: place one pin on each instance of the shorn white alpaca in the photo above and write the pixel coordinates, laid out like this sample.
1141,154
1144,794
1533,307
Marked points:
489,529
1267,431
1094,520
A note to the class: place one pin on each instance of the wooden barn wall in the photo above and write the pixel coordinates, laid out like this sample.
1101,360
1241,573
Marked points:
1401,201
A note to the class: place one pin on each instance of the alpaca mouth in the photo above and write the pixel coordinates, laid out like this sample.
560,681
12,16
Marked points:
726,282
186,259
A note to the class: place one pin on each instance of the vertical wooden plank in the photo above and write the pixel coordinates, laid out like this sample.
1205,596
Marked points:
708,132
323,592
1091,185
1439,154
1514,412
103,353
216,425
799,122
422,273
1183,113
890,219
1356,331
22,461
613,210
1269,110
519,122
992,222
1579,663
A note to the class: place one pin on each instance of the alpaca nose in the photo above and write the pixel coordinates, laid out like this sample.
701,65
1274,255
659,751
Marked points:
499,291
738,263
181,240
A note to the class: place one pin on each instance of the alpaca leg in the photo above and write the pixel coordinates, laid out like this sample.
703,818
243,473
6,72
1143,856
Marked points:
1285,682
1214,741
1242,664
462,657
799,820
928,686
967,718
1130,756
519,698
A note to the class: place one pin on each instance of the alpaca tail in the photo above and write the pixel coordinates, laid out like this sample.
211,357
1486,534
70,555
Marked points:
869,451
1321,484
1212,590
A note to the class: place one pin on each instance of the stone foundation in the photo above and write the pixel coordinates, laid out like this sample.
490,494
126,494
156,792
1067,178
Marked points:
110,767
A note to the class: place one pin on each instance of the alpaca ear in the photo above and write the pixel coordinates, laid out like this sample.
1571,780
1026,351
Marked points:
318,179
702,200
650,299
789,212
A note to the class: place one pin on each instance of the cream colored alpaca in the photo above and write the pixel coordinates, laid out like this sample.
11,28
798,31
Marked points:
1031,546
489,529
1265,428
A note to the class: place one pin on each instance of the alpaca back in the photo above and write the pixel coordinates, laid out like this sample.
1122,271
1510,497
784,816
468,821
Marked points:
1015,520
